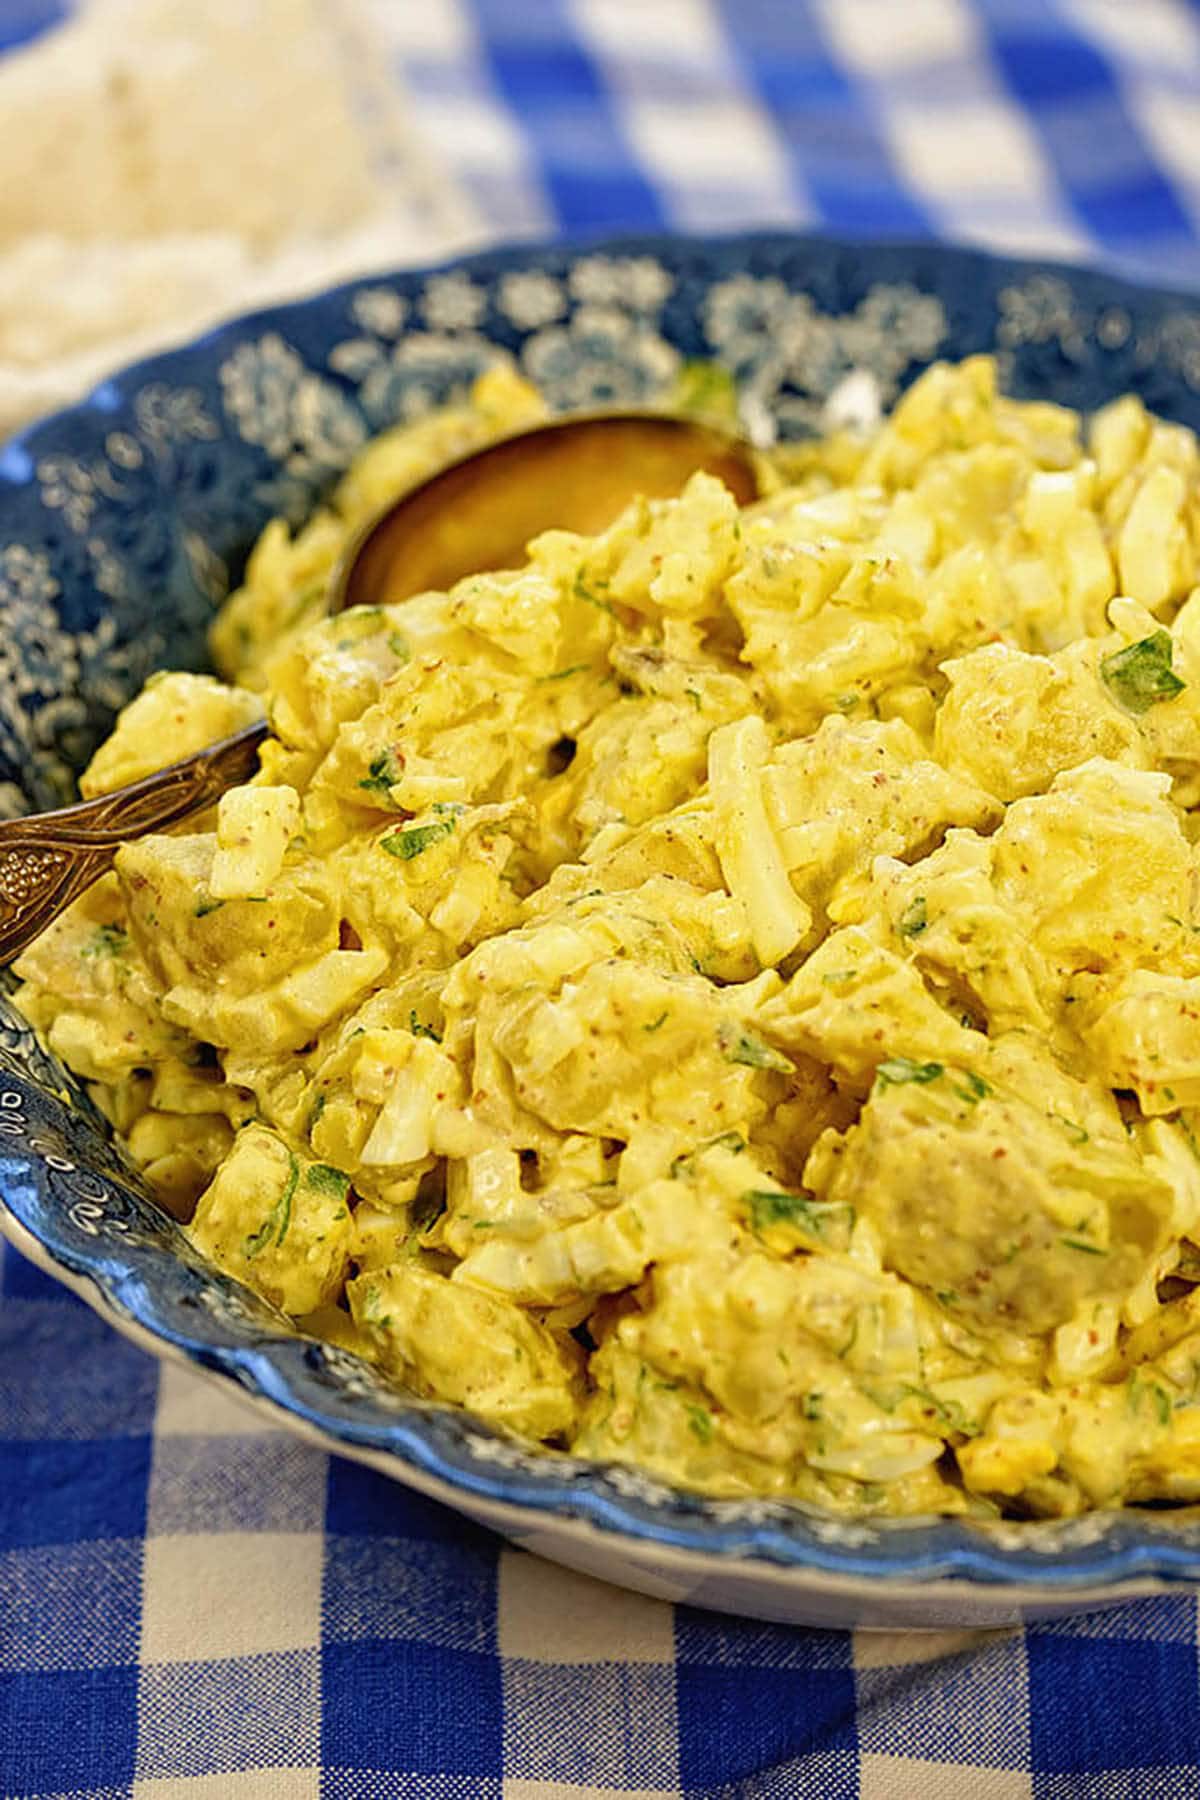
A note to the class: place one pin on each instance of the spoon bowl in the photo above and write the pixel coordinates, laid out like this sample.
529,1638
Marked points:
575,472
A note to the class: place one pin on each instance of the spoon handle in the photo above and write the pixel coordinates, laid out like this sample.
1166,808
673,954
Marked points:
47,859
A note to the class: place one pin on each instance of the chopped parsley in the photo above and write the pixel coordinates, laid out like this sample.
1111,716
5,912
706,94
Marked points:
733,1141
382,774
828,1222
948,1414
323,1178
1072,1243
1077,1134
741,1046
419,1029
707,390
205,905
417,839
914,919
372,1304
582,591
280,1216
976,1088
107,940
900,1069
1159,1397
562,674
655,1023
700,1421
1141,675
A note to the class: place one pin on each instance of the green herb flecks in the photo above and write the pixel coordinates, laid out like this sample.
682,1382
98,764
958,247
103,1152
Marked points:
898,1070
655,1024
733,1141
398,644
562,674
975,1088
205,905
372,1305
1190,1135
947,1414
914,919
1072,1243
323,1178
739,1045
382,775
1140,1389
1141,675
280,1216
420,1029
824,1222
700,1421
107,940
582,591
706,390
1075,1132
416,839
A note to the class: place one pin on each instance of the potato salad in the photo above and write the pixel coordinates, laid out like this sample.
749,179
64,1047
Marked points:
724,996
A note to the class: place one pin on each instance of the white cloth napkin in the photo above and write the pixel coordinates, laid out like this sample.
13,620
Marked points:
169,163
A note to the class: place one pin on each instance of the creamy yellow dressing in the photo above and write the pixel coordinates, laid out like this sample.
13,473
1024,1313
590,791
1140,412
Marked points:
725,995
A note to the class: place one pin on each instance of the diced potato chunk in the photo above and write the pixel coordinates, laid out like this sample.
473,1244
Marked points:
277,1221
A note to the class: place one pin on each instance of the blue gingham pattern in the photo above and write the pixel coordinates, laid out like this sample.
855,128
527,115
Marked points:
1046,127
195,1607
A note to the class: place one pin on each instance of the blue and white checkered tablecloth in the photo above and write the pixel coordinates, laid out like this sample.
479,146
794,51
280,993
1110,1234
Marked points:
193,1607
1050,127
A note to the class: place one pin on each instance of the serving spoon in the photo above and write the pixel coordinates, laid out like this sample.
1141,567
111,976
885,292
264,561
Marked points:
478,513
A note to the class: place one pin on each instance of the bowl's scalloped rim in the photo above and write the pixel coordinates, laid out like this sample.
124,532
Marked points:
1013,1599
275,314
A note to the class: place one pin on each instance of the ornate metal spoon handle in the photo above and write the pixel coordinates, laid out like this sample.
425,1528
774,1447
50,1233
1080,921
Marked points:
49,858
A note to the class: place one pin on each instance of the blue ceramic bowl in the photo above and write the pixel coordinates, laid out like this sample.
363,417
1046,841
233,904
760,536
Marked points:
122,523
